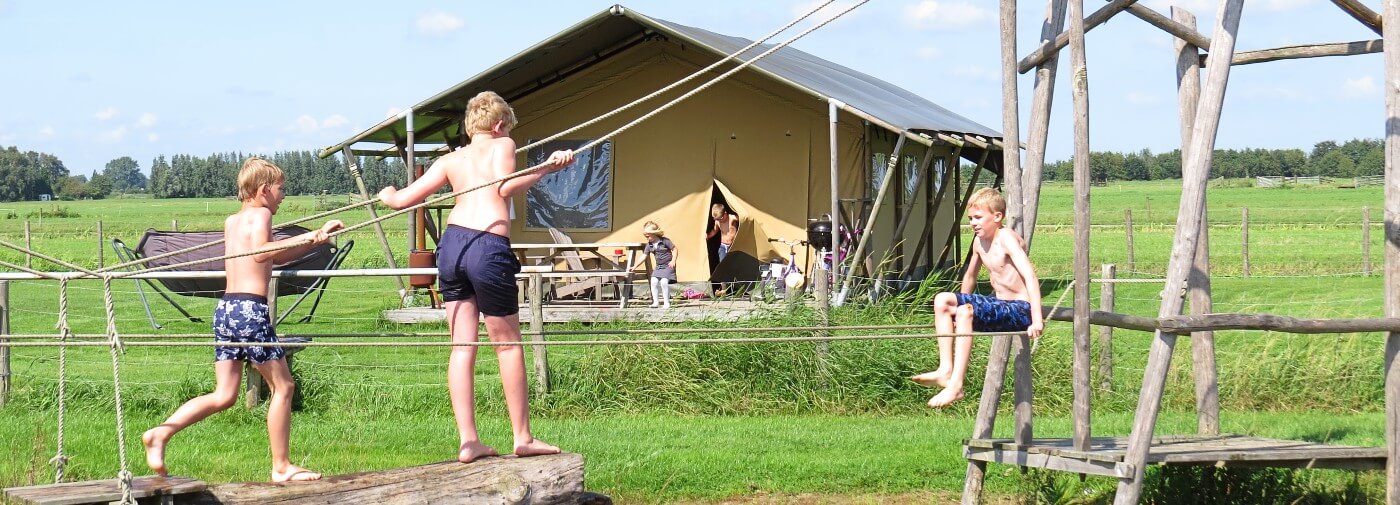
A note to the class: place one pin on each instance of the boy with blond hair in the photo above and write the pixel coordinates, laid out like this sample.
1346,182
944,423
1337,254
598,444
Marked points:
476,268
1016,306
242,316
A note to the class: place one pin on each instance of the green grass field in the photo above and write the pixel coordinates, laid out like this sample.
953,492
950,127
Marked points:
745,422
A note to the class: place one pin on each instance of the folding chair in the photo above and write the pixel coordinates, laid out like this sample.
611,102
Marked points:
155,243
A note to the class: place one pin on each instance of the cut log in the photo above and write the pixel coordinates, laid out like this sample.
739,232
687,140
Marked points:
541,479
102,491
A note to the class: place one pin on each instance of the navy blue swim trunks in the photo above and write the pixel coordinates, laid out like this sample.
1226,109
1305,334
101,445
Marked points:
481,264
995,314
241,317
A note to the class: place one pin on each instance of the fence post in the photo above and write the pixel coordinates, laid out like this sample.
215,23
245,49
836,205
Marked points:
1106,302
27,246
1366,241
1244,239
4,351
537,333
823,319
100,262
1128,225
174,226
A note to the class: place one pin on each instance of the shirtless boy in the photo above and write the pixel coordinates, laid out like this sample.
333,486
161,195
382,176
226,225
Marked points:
476,268
726,226
1016,306
242,317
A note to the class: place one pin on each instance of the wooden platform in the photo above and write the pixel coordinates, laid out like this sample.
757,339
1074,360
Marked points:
152,489
725,311
1105,455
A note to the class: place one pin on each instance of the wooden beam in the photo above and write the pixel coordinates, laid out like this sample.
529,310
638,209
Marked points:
1392,252
1362,13
541,479
1195,171
1010,118
1305,51
1179,30
1271,322
992,386
1033,172
1051,48
1079,91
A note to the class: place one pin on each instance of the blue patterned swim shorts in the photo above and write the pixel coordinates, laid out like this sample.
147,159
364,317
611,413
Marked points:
241,317
995,314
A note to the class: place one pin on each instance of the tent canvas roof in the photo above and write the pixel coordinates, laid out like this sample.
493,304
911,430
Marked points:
618,28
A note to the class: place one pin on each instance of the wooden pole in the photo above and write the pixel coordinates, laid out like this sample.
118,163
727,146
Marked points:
1362,13
253,396
537,333
1307,51
1244,240
1195,170
1041,103
100,246
28,246
822,288
1051,48
1106,302
885,184
1391,10
4,351
174,225
1079,90
1366,241
1128,227
353,164
1010,119
986,414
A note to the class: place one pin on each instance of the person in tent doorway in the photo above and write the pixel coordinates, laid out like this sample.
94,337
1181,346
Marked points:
476,268
1015,308
726,226
242,316
663,253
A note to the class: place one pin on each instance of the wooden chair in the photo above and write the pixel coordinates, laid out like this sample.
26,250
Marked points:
575,286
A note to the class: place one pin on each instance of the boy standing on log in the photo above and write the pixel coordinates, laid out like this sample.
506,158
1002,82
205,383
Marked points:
476,268
242,316
1016,306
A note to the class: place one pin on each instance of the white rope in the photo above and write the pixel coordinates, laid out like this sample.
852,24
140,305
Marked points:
60,460
124,476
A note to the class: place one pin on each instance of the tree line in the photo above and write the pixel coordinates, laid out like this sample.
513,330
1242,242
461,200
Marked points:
1353,158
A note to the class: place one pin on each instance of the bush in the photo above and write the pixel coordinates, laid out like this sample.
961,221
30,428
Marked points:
56,212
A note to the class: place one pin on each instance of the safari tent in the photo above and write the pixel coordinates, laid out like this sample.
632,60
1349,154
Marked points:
760,141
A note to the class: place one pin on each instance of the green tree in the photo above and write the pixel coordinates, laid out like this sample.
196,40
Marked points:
125,174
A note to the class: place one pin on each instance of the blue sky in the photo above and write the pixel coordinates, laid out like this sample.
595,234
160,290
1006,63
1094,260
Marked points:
94,81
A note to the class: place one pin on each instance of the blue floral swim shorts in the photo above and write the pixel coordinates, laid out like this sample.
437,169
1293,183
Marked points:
995,314
241,317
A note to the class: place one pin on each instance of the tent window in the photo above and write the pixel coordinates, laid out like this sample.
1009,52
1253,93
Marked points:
878,164
578,198
911,178
939,172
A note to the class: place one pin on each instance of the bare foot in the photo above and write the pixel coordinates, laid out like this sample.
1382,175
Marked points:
937,378
154,439
294,473
472,451
946,397
535,447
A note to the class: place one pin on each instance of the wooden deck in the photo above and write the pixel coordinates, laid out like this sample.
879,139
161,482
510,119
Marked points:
103,491
563,312
1105,455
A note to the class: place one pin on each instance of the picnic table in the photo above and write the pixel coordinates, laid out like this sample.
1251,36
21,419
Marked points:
575,268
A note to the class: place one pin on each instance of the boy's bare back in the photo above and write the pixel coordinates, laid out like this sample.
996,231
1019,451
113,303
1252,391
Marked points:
481,161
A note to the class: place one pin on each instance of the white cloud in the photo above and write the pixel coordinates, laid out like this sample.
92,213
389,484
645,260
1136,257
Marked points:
929,52
152,137
114,135
46,131
147,120
334,120
105,114
438,23
305,124
941,14
1364,86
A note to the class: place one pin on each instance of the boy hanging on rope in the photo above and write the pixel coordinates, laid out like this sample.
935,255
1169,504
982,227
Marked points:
476,268
242,317
1016,306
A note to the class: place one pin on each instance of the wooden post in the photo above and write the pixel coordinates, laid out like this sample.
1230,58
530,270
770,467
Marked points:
987,414
1244,240
537,333
822,288
174,225
1010,119
1128,226
1195,173
1391,11
353,164
28,246
1366,241
1079,90
100,245
1040,121
4,351
1106,299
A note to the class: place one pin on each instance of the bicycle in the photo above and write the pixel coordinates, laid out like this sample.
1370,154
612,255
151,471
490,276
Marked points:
784,276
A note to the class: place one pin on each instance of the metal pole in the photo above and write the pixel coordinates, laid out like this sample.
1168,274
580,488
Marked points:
410,165
833,106
352,163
